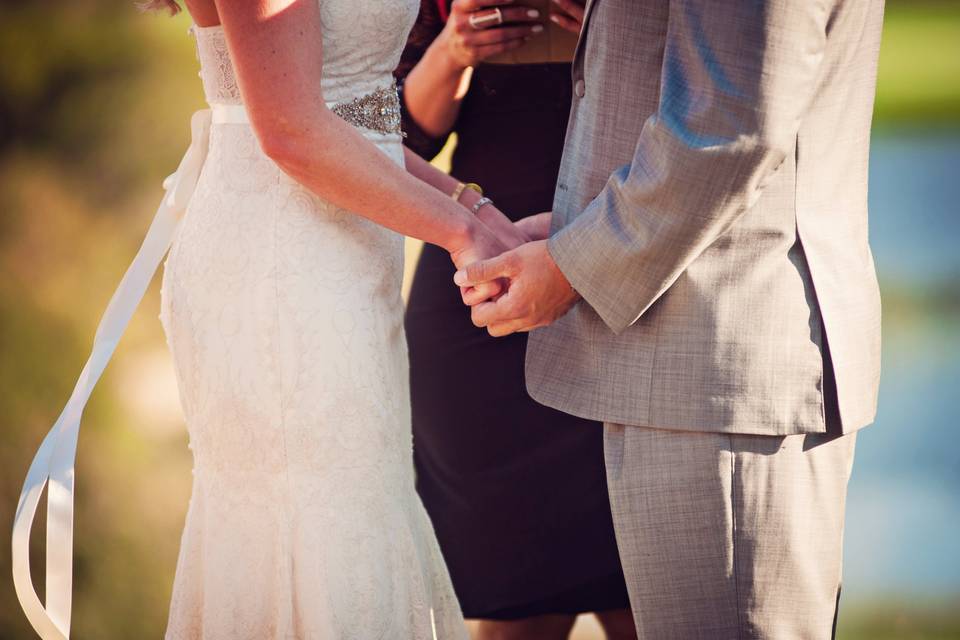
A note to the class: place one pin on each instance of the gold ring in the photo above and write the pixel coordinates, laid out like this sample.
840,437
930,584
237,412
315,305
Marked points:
480,22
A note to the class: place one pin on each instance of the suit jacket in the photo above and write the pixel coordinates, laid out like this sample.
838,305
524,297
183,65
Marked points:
711,209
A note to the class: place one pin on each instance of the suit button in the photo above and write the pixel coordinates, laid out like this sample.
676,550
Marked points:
580,88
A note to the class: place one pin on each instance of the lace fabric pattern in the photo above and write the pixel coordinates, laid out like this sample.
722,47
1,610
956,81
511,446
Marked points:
350,69
284,318
216,69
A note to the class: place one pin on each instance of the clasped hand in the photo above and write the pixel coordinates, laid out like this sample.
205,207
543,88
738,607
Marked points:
517,289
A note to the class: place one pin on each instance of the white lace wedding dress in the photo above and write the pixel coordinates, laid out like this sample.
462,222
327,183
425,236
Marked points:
284,318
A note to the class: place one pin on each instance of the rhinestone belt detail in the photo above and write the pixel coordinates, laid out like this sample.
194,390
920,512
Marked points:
378,111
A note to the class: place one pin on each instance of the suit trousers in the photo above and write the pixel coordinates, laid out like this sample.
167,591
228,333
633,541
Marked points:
728,536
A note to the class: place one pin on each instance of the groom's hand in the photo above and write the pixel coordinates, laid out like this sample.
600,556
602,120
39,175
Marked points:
538,293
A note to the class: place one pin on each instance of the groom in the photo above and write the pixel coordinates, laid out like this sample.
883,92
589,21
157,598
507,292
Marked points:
711,297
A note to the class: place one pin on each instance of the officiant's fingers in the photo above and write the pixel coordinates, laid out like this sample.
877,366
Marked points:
572,8
476,5
565,23
569,16
511,15
488,50
489,37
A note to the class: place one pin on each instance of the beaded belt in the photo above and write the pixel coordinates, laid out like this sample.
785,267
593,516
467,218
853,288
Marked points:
377,111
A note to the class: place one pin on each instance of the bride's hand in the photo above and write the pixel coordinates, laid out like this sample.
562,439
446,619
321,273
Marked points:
510,234
506,235
535,227
481,244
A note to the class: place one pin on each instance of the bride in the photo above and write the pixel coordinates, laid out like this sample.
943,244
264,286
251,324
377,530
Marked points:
282,309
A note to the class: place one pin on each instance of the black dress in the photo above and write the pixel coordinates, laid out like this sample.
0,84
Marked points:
516,491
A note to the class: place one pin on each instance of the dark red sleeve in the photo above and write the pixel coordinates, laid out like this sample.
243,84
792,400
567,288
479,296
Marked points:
428,26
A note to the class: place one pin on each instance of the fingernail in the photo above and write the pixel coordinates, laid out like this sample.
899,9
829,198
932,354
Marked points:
554,18
537,28
460,278
533,13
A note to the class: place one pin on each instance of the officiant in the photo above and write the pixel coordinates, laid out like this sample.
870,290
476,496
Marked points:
516,491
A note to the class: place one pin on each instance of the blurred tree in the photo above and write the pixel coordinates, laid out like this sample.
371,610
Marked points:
94,107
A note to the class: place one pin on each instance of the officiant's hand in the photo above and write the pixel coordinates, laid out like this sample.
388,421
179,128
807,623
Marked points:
473,31
568,14
537,294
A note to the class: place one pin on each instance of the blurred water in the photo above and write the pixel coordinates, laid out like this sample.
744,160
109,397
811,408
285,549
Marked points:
915,205
903,518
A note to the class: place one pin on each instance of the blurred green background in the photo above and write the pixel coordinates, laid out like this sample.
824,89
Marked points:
94,107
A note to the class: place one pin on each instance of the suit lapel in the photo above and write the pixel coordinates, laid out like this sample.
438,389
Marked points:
587,12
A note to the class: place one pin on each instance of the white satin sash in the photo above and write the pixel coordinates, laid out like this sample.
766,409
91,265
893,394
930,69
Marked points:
230,114
53,465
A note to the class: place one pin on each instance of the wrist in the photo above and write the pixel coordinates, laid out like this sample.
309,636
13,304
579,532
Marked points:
469,197
481,207
463,233
488,214
441,51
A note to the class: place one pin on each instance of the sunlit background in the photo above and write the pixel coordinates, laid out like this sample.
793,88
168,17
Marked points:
94,108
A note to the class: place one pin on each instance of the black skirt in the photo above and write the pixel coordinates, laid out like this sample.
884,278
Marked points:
516,491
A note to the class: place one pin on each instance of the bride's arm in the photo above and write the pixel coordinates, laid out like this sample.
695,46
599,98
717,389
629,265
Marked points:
488,214
277,56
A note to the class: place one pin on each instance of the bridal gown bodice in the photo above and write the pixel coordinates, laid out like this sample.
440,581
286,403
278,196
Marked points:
284,318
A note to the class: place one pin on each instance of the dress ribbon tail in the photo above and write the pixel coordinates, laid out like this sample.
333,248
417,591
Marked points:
53,465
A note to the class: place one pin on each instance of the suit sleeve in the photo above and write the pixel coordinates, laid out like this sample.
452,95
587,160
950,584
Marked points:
736,80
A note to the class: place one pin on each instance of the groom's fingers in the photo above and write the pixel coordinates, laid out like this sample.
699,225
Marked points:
490,313
485,292
473,296
484,313
481,292
506,328
486,270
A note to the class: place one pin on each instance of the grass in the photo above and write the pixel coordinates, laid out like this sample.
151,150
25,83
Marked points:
918,83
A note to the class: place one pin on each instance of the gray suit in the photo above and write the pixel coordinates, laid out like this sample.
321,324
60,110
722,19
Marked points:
712,212
711,209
